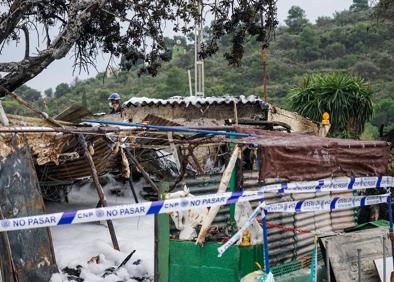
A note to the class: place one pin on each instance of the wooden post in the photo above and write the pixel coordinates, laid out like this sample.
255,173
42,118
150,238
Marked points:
99,189
3,116
33,109
222,188
235,113
142,170
175,150
8,264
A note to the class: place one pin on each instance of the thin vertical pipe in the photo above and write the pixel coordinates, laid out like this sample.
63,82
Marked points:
359,264
391,230
384,259
265,245
328,264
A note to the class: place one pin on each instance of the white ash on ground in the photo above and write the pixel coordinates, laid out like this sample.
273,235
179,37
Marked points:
76,245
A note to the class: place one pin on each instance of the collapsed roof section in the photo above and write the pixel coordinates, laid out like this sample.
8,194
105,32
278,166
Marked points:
287,156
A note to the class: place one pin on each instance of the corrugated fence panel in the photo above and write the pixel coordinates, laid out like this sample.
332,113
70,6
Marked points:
341,219
284,245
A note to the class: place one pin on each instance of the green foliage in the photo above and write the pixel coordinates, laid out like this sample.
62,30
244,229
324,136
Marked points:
309,44
335,50
296,19
366,69
384,10
48,93
347,98
350,41
84,101
359,5
370,132
28,93
384,113
61,90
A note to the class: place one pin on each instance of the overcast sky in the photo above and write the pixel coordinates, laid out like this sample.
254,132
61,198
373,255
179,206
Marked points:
62,71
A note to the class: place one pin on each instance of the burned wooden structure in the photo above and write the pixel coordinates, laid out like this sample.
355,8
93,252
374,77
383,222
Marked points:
26,255
69,152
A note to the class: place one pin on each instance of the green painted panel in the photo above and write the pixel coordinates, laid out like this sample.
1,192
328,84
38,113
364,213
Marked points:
162,220
189,262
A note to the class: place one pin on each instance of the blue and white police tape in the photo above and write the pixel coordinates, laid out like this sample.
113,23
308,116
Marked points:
125,211
331,185
238,235
336,203
306,206
171,205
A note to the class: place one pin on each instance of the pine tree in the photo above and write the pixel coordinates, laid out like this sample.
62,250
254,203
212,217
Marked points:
359,5
296,19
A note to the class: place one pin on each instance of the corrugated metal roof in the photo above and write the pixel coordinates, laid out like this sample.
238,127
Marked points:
194,101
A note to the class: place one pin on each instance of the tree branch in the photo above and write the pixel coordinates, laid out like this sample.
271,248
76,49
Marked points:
32,66
27,40
15,14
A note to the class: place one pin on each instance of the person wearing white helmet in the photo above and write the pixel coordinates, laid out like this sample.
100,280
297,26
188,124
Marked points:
114,103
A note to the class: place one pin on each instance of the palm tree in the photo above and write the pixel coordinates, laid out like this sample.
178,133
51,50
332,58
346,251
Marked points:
346,97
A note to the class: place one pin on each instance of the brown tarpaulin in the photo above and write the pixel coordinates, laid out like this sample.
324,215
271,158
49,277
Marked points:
303,157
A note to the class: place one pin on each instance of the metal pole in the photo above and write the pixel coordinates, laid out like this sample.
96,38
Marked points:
170,128
384,259
99,188
99,130
133,190
359,264
190,82
328,264
266,252
391,231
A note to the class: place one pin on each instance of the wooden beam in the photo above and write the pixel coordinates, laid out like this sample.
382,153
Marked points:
143,172
3,116
99,188
224,182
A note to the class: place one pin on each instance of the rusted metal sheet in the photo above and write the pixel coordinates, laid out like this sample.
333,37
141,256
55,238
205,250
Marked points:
31,256
77,168
302,157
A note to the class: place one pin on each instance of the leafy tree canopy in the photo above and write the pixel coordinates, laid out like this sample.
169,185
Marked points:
296,19
122,27
28,93
359,5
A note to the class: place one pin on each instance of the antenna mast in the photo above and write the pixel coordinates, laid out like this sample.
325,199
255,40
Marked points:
199,81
